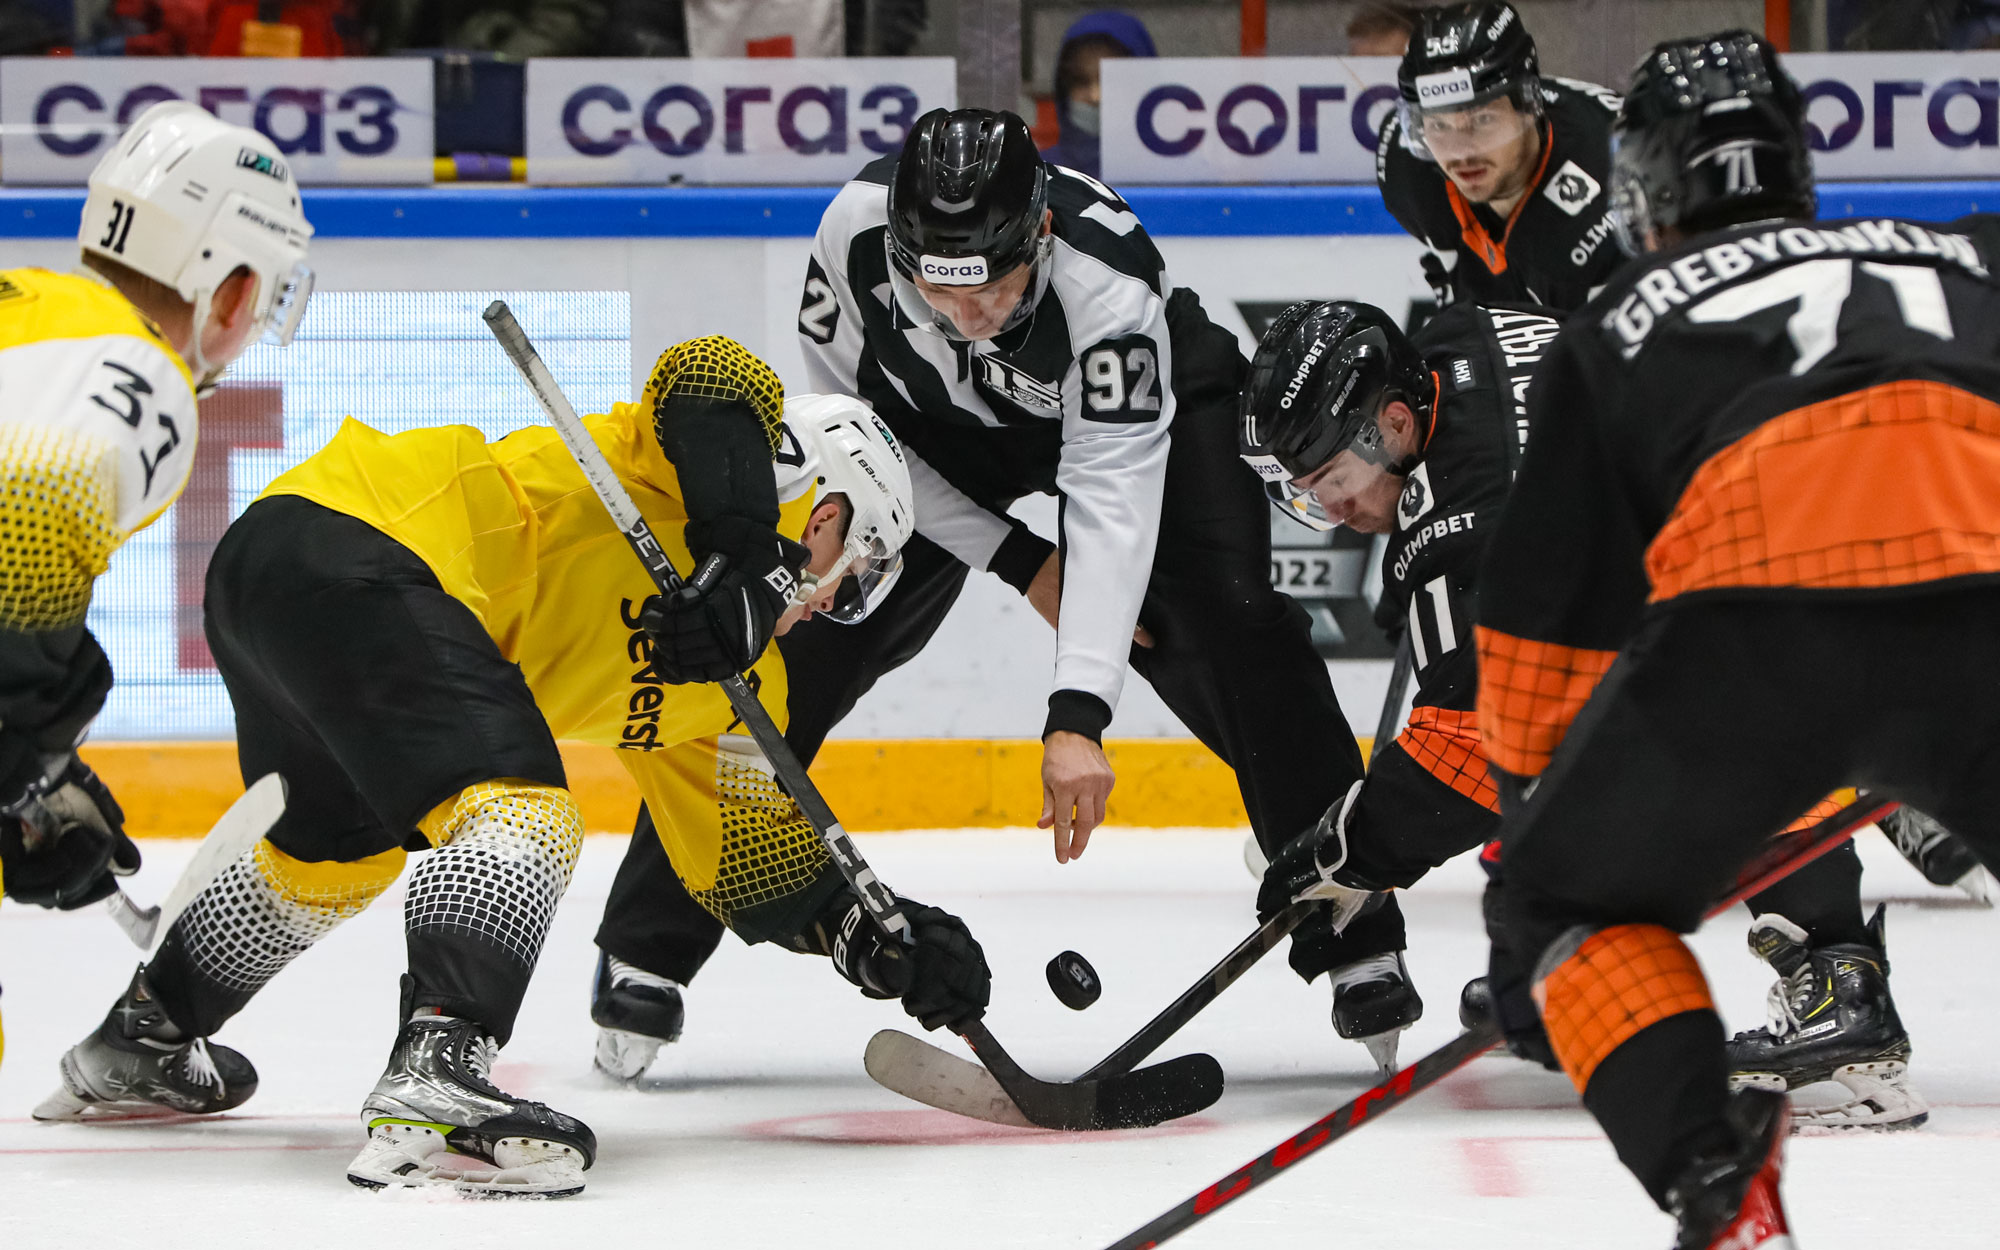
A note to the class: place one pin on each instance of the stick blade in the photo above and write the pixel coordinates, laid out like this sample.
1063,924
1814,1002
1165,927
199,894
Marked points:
1153,1095
922,1073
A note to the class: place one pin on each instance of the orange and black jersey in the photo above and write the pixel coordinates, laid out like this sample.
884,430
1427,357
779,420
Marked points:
1429,789
1557,245
1783,409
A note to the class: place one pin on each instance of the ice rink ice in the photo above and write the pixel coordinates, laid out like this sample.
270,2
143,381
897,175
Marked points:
759,1129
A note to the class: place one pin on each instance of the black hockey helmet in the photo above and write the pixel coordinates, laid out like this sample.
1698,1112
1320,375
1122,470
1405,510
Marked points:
1712,133
966,207
1464,55
1321,374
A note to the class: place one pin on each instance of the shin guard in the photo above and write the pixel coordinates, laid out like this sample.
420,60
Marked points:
263,911
479,906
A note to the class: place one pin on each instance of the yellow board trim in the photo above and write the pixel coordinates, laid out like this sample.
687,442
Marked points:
180,789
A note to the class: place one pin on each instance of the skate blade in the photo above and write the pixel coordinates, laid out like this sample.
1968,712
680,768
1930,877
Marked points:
1382,1049
413,1156
1867,1098
623,1056
63,1107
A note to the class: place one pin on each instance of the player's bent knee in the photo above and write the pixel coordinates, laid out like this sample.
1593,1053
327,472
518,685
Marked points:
341,889
1598,988
506,850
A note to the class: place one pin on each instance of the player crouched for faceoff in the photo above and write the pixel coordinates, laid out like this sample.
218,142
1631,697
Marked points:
406,625
1753,547
193,230
1348,422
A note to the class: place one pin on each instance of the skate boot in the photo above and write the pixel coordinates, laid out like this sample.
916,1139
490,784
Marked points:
1373,1002
139,1064
1831,1019
1933,851
436,1120
636,1013
1731,1201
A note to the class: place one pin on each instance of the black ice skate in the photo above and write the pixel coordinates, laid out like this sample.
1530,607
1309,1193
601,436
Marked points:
636,1013
1731,1201
1831,1019
139,1064
1373,1002
436,1120
1934,851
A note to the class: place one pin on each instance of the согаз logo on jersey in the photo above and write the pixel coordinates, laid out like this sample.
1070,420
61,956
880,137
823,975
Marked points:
1571,189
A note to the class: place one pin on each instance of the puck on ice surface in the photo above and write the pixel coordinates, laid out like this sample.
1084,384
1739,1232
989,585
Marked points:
1074,981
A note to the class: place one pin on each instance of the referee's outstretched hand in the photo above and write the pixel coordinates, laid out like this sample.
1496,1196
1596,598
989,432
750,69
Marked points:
1076,783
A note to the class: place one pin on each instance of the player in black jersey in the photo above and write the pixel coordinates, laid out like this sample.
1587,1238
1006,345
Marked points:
1499,170
1350,423
1753,555
1014,325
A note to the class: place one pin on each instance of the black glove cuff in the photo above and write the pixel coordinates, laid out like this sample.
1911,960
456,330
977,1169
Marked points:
1077,712
1021,555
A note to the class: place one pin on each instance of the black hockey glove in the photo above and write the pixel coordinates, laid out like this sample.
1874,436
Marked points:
716,625
1314,866
62,839
942,977
1507,979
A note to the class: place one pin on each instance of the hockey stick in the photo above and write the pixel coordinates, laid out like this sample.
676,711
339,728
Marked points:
923,1073
1785,855
248,819
1165,1091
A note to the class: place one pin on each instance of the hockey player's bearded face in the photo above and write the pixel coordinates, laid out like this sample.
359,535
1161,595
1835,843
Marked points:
1488,150
1356,487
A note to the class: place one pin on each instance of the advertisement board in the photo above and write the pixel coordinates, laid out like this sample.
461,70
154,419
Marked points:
335,121
1233,119
1314,119
724,121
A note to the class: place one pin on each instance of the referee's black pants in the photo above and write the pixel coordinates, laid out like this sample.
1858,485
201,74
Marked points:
1719,723
1232,657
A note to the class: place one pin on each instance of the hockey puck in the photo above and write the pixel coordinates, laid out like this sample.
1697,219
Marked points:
1074,981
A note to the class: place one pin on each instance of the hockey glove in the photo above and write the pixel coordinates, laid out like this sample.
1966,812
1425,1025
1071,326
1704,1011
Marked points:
1507,981
62,839
941,977
720,621
1311,866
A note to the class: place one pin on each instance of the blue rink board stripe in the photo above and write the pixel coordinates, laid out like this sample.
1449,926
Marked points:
466,212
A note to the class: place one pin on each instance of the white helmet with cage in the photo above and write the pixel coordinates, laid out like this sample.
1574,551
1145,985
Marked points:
185,198
844,448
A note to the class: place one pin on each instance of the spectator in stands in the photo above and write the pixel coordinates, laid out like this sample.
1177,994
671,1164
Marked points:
1380,30
1088,41
1899,25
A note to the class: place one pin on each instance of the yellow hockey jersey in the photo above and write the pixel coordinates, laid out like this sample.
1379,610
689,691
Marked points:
512,530
97,433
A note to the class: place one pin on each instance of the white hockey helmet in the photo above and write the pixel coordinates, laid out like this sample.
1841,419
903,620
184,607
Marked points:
184,198
847,450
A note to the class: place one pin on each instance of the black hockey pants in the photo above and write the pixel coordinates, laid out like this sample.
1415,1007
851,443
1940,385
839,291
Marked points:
1719,723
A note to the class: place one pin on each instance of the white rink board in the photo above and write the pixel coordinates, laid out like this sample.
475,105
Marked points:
761,1132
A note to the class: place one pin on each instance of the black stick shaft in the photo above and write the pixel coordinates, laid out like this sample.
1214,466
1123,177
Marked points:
1392,705
1786,855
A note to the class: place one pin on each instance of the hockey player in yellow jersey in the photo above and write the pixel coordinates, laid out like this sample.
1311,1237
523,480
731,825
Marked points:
195,245
407,623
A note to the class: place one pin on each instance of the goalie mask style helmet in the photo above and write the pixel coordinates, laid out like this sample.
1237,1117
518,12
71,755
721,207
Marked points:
1321,374
1460,57
847,450
966,206
184,198
1712,134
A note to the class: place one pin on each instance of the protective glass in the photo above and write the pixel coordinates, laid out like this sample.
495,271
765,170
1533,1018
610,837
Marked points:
1300,505
1631,212
919,310
1468,131
867,572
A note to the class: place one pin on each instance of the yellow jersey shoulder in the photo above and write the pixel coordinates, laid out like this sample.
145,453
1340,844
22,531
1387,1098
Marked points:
37,305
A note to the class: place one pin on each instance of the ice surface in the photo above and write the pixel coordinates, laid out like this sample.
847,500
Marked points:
760,1130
